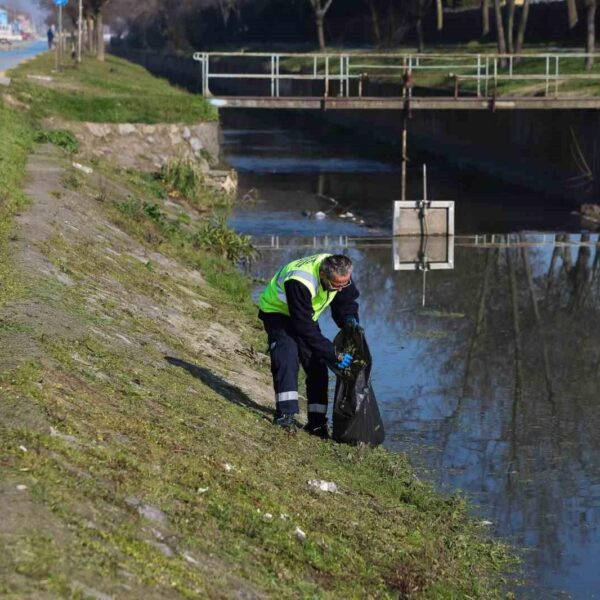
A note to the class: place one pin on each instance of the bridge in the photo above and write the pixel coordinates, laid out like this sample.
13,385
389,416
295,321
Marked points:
350,81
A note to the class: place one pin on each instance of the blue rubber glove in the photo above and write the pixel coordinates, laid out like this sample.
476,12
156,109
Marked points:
345,361
352,322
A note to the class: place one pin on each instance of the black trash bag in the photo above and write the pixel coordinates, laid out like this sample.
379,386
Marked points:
356,417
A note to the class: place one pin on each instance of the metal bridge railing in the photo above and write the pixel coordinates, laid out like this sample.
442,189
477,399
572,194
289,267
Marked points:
349,73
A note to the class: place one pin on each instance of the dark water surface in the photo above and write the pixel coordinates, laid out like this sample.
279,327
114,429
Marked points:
493,386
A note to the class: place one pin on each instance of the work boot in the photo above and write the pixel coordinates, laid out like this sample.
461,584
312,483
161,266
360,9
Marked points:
286,422
320,431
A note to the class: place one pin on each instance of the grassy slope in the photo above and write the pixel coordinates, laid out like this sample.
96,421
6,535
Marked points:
114,91
104,422
16,141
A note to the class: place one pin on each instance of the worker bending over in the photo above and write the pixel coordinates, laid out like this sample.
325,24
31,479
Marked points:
290,307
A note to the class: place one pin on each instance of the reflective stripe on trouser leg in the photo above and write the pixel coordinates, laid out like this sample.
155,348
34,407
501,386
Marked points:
317,380
286,402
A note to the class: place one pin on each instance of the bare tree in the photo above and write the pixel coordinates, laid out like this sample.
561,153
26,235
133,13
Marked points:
321,7
485,17
522,26
500,31
590,39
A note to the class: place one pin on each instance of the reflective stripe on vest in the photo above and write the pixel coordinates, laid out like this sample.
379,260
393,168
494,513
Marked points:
304,270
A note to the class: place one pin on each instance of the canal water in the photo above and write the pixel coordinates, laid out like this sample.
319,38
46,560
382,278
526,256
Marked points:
492,386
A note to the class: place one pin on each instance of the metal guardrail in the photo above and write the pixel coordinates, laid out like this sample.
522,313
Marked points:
350,71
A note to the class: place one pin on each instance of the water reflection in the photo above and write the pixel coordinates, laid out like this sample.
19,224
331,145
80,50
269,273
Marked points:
496,383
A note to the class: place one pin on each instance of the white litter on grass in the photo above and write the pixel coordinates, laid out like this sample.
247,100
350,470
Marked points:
83,168
487,523
21,487
284,516
202,490
190,559
268,516
320,215
324,486
300,534
22,448
228,467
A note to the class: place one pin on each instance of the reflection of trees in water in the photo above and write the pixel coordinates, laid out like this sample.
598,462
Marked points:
525,371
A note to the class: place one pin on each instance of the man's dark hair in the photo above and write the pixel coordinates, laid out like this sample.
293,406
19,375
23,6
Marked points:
336,264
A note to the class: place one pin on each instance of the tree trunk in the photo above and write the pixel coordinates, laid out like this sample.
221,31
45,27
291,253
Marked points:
419,27
500,31
510,26
90,36
522,26
590,40
420,38
100,36
440,14
320,30
485,17
572,12
375,23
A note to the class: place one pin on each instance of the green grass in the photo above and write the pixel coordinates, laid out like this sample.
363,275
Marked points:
114,91
96,423
16,136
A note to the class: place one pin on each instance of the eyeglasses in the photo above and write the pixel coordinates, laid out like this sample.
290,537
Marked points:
340,286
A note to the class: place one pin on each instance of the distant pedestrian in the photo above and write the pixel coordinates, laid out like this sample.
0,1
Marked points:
50,35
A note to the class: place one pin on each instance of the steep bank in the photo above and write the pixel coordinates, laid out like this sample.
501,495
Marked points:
138,455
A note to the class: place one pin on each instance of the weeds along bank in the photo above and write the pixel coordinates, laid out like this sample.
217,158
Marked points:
137,454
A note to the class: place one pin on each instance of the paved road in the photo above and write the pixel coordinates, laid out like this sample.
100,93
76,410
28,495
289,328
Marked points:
11,58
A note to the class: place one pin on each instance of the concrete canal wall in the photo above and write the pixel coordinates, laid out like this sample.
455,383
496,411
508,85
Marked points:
552,151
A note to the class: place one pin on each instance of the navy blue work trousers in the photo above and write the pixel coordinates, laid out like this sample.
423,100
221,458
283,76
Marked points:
288,351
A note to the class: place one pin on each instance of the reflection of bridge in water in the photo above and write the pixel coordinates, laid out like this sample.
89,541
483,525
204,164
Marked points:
486,240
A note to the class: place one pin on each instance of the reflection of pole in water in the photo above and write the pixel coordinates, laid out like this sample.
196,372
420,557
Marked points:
512,278
538,320
479,322
321,184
